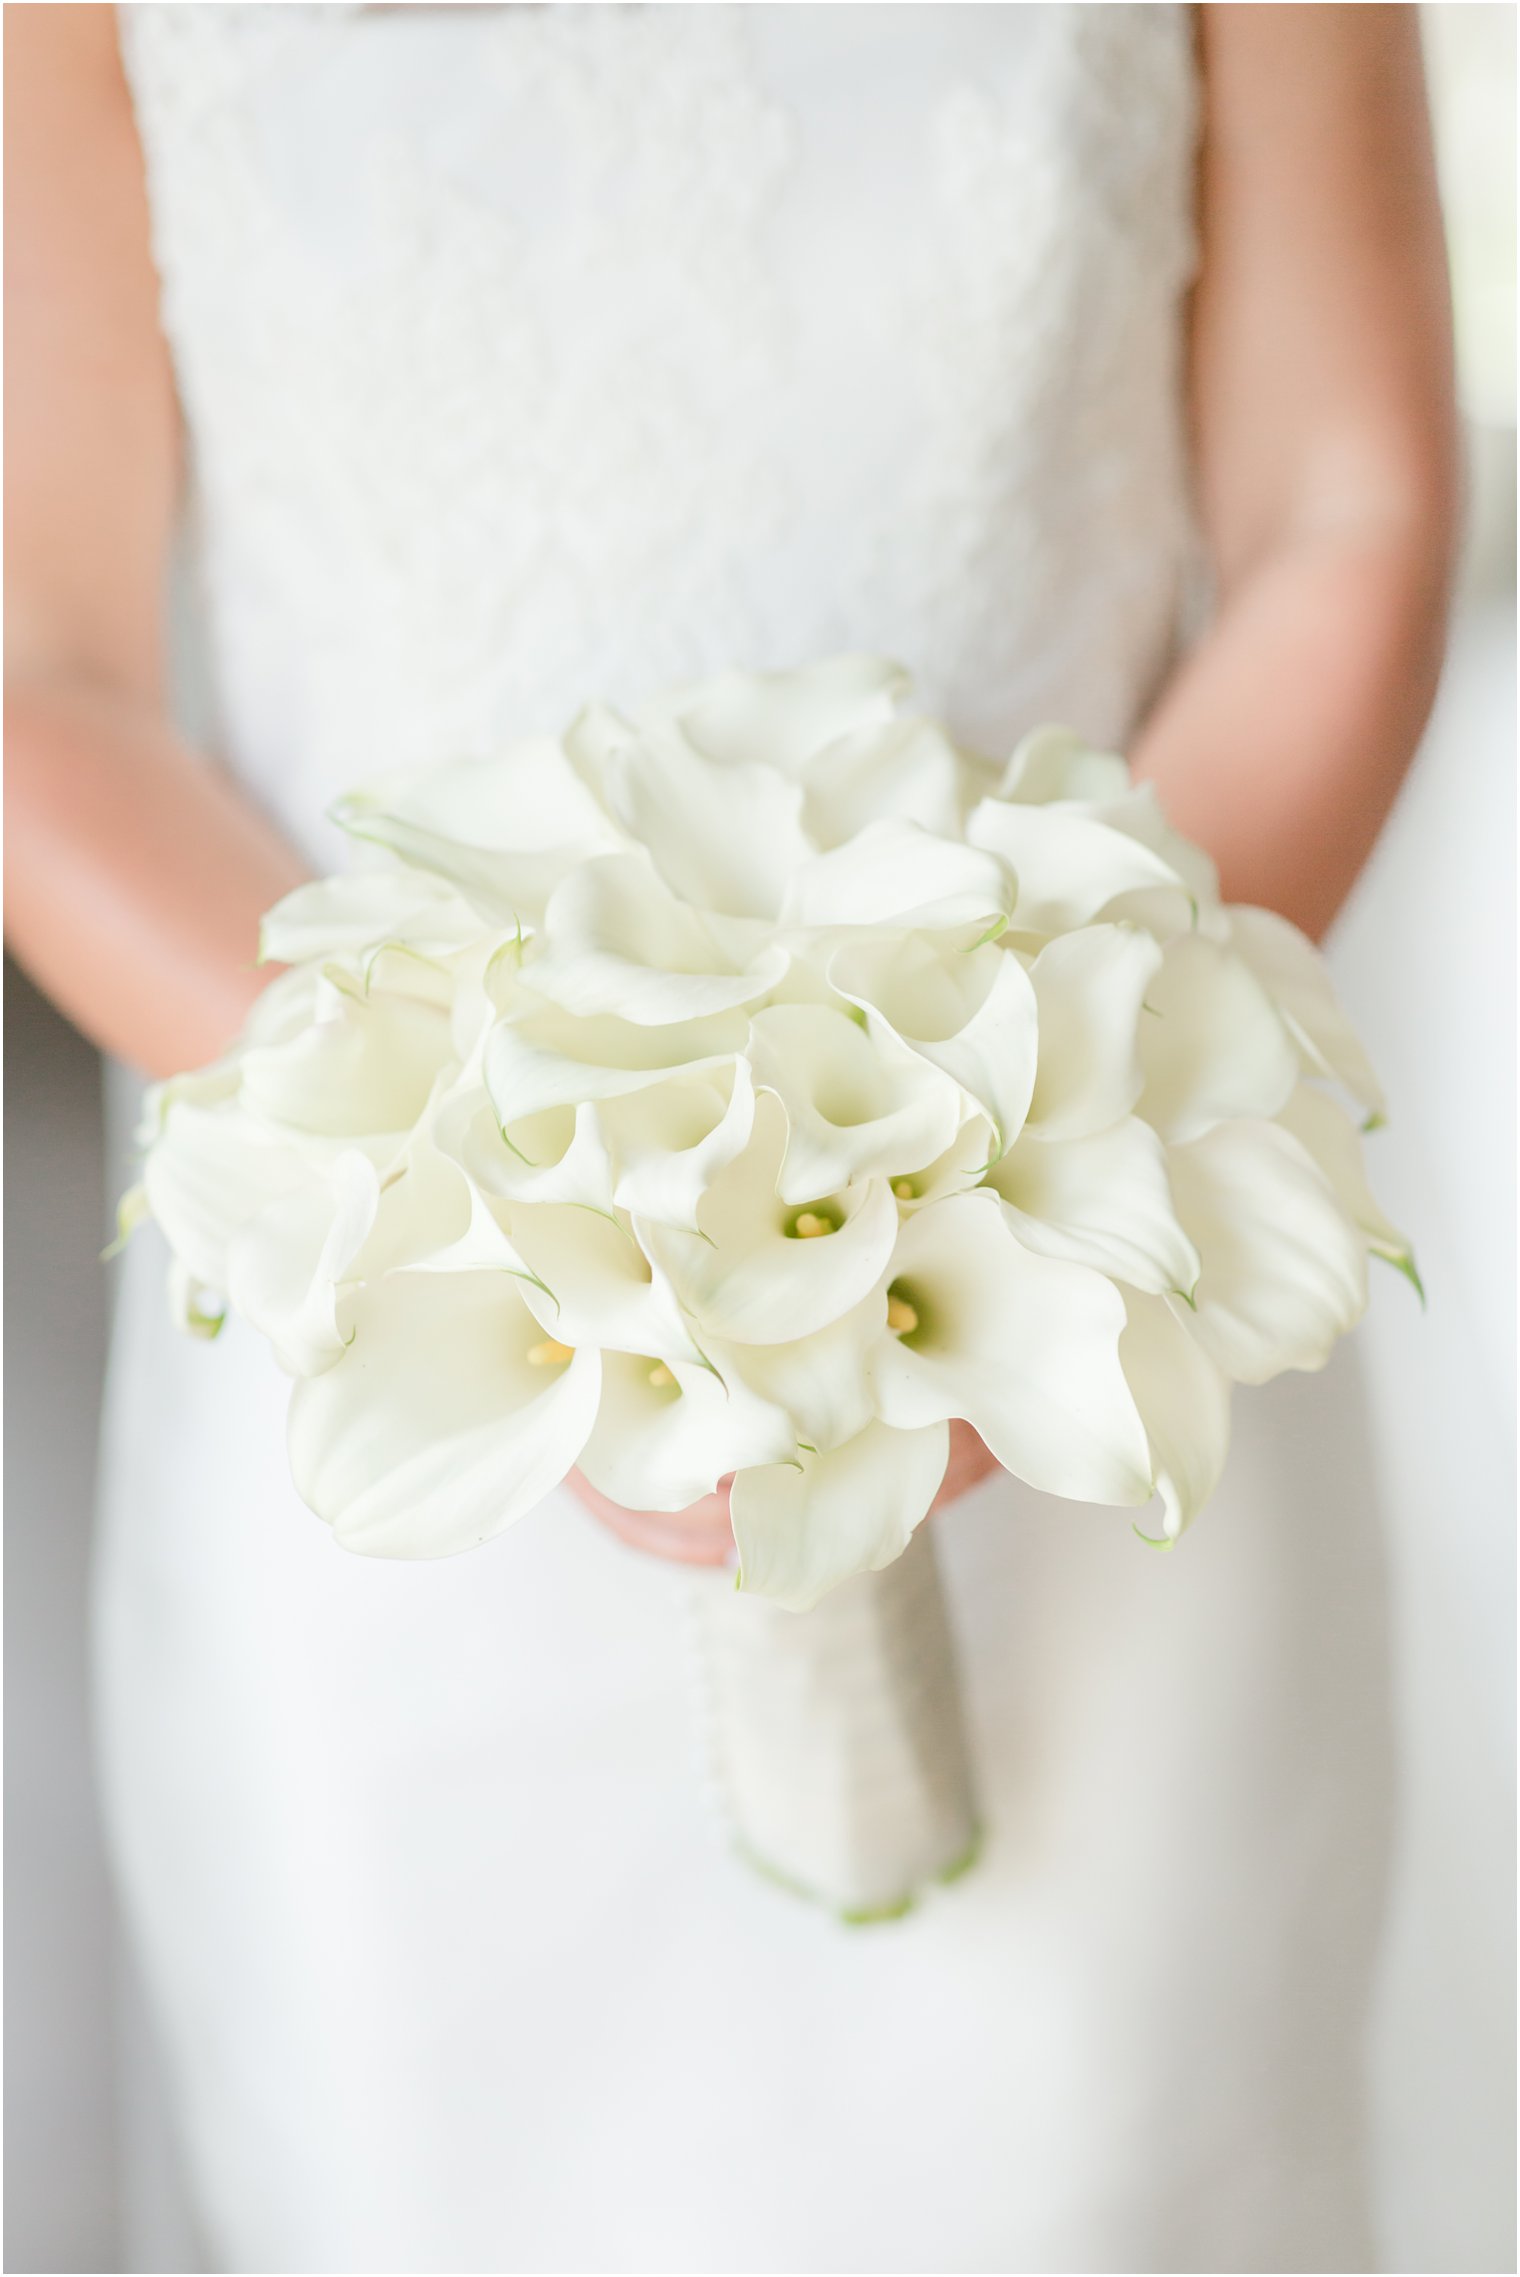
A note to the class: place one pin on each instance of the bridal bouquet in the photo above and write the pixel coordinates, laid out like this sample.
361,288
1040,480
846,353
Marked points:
748,1087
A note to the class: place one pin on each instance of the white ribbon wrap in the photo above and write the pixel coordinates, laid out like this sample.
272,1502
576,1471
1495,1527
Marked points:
837,1737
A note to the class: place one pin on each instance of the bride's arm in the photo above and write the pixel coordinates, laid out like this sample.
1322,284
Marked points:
1324,451
135,873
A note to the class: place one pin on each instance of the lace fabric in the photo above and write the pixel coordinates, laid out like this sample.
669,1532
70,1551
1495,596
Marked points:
531,353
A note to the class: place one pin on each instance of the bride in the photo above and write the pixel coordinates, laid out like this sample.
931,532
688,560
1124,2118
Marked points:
511,356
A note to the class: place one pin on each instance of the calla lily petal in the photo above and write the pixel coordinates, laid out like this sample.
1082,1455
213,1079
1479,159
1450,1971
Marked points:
802,1530
616,940
1025,1348
1293,974
851,1112
1184,1399
211,1172
963,1166
819,1381
1328,1135
1103,1201
345,916
784,720
1088,988
438,1427
725,838
1138,814
559,1155
1212,1045
670,1140
1068,866
907,770
597,1286
366,1066
284,1270
894,873
1284,1270
970,1013
426,1210
527,799
1053,764
542,1057
666,1433
756,1273
507,889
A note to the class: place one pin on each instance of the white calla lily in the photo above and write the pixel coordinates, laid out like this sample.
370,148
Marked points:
597,1285
558,1155
724,838
444,1421
784,720
970,1013
352,915
427,1210
762,1271
508,889
502,832
1137,814
365,1066
1089,988
529,798
851,1111
1330,1138
1184,1400
1103,1201
1212,1044
1068,866
820,1380
907,770
965,1163
667,1432
1023,1347
1052,765
542,1057
894,873
285,1268
1293,974
211,1171
669,1141
483,1246
1284,1272
616,940
205,1088
801,1529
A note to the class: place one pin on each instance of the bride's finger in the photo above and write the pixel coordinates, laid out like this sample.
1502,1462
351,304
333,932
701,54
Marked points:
698,1535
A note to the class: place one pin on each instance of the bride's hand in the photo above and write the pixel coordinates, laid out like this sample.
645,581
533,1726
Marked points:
697,1535
702,1535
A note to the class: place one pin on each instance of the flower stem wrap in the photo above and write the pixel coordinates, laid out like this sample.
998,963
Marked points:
838,1738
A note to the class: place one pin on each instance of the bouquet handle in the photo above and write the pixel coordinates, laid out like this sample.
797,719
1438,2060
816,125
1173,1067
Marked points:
837,1738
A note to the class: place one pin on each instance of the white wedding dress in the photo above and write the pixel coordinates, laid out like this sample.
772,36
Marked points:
530,354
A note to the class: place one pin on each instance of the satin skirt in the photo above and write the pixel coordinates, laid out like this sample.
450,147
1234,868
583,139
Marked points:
454,1968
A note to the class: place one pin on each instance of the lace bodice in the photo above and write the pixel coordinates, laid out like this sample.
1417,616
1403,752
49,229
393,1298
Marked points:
530,353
